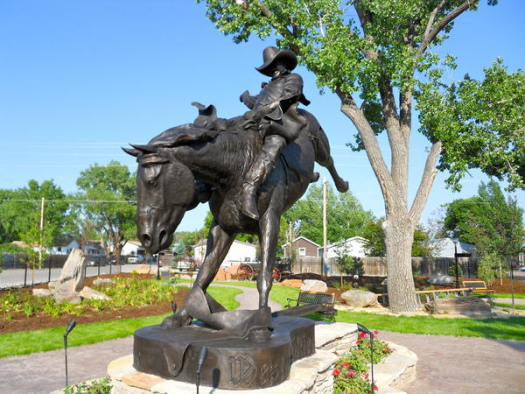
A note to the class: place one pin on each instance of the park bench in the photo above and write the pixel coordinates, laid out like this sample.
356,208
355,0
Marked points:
324,300
477,286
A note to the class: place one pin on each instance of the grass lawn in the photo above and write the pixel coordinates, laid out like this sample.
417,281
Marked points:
508,295
520,307
511,328
27,342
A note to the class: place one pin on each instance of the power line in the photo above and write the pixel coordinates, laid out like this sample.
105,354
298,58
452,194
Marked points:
70,201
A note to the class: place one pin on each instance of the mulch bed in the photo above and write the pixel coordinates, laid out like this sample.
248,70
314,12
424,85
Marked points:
21,322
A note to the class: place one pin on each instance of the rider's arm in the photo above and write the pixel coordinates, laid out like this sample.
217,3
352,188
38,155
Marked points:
247,99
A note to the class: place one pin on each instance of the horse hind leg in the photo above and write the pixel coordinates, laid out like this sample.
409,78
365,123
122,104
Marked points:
323,157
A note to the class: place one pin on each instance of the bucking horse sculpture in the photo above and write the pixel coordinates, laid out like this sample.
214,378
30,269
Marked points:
210,160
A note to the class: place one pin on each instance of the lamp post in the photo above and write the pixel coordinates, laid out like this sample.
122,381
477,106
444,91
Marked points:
455,240
72,323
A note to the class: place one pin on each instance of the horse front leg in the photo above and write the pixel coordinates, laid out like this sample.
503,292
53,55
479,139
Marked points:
269,233
217,247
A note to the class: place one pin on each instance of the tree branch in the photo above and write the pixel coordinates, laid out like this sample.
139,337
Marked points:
431,33
427,180
388,187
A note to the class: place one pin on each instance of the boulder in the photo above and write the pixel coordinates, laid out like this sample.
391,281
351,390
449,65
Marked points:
359,298
88,292
440,280
314,285
71,297
103,282
73,274
42,293
146,269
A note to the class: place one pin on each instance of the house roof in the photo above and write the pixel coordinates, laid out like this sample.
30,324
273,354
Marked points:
306,239
346,241
64,241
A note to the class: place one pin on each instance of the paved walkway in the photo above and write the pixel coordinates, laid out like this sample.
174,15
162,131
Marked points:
446,364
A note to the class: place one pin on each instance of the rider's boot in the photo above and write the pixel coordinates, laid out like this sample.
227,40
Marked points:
258,173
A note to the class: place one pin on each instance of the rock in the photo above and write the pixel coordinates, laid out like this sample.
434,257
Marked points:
71,297
314,285
103,282
440,280
73,274
359,298
466,306
292,283
88,292
145,269
42,293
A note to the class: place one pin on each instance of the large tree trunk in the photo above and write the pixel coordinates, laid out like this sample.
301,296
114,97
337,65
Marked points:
399,235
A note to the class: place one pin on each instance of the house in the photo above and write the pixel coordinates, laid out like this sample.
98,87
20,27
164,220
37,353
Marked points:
303,247
240,252
354,247
93,248
132,248
445,247
63,246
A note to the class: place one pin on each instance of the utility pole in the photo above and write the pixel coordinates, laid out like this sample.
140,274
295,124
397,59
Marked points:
41,231
325,227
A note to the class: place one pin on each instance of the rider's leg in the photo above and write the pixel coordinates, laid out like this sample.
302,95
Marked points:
258,173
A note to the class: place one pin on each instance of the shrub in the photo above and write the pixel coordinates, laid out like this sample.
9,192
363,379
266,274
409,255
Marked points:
100,386
351,370
452,270
490,267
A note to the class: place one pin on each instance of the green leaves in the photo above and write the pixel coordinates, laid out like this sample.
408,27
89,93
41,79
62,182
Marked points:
489,221
480,124
107,192
346,216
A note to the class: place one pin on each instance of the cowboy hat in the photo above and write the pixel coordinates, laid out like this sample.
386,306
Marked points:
271,54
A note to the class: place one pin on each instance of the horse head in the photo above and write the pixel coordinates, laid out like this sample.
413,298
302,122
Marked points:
165,190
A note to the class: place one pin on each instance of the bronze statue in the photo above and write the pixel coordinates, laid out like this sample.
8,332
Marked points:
259,164
274,113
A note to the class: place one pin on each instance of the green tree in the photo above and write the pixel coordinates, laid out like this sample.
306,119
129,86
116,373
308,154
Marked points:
376,246
108,194
20,211
481,125
345,215
489,220
367,52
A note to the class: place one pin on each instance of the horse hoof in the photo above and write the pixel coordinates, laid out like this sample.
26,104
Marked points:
175,321
342,186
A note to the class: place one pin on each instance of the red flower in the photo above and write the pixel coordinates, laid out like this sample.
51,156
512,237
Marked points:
375,388
358,341
336,372
362,335
376,332
346,363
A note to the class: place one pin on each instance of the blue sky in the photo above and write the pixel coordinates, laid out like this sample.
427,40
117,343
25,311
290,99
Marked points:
79,79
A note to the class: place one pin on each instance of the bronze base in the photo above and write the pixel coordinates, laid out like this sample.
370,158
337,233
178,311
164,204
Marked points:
232,363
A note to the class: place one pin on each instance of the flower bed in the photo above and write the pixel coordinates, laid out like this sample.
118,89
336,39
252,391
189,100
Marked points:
351,371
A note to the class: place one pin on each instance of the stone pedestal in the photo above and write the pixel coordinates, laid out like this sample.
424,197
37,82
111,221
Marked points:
231,363
310,375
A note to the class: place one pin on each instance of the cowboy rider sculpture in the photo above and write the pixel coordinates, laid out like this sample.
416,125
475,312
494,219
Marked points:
273,112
